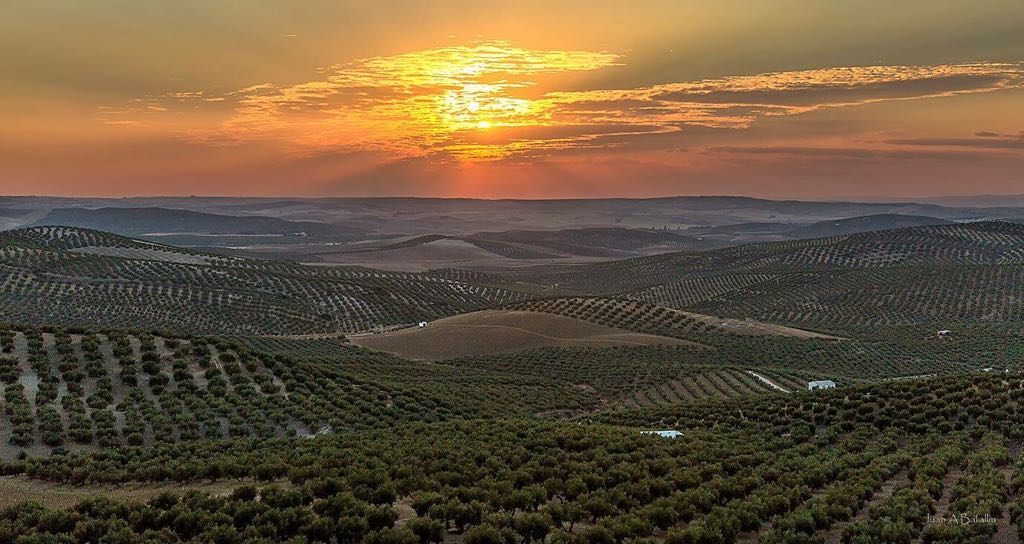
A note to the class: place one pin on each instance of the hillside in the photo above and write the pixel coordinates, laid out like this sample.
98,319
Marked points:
85,390
812,467
934,276
68,276
637,315
802,230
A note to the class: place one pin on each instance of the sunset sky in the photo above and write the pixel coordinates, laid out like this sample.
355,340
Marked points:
523,99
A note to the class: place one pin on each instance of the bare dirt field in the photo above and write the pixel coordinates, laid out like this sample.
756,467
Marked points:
444,253
756,328
436,254
502,331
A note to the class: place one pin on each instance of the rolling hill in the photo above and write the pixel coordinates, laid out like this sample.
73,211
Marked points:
510,249
70,276
464,217
801,230
85,390
931,275
867,223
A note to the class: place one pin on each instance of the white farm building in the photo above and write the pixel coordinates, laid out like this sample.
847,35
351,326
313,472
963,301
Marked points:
820,384
665,434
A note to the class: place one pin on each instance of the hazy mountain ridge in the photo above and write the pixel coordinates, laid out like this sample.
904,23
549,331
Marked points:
322,229
458,216
155,220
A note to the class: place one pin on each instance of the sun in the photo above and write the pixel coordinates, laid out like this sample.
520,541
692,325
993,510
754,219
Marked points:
483,125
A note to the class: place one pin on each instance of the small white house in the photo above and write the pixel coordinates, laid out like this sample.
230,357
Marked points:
821,384
944,333
664,434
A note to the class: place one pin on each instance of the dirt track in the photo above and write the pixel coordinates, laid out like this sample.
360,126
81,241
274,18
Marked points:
768,382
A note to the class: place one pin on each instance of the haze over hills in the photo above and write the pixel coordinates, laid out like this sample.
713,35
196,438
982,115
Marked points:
747,232
466,216
470,233
155,221
509,249
990,201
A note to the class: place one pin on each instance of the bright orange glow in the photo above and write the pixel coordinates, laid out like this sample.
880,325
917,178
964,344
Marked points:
408,104
441,100
539,99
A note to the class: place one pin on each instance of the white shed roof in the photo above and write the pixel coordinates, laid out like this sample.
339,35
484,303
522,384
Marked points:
669,433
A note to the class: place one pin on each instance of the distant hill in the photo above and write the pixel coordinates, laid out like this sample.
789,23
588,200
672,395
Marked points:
14,212
853,225
509,248
149,220
986,201
464,217
770,232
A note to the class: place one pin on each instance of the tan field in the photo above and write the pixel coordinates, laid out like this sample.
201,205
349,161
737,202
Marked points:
444,253
436,254
756,328
502,331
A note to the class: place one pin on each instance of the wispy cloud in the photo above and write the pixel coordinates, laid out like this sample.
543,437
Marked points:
854,153
985,140
738,101
483,101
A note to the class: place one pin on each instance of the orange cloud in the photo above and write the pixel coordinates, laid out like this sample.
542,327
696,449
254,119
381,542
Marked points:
482,102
